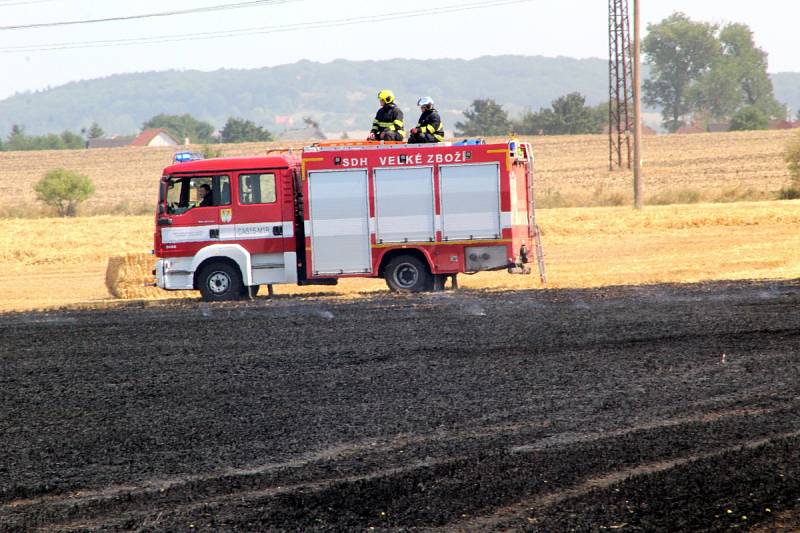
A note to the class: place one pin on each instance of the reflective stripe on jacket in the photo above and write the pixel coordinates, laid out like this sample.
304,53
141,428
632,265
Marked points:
388,118
430,122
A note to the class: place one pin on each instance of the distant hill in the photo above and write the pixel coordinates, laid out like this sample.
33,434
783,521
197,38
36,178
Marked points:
340,95
787,89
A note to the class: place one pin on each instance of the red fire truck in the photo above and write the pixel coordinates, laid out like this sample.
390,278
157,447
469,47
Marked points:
411,214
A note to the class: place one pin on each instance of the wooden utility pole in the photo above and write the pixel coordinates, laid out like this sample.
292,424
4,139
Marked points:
637,109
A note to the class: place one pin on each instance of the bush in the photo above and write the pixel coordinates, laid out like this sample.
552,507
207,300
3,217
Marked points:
792,192
792,157
211,152
64,190
749,118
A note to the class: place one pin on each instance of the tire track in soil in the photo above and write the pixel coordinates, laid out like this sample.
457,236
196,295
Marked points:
116,500
519,511
175,515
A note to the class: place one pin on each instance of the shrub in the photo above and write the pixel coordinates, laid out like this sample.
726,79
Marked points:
749,118
792,192
64,190
210,152
792,157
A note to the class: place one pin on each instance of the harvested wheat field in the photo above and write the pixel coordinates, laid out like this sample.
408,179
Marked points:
571,170
54,262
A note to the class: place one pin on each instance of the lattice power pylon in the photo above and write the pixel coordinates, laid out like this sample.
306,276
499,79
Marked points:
620,85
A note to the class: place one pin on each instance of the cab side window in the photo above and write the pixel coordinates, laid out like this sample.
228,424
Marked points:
185,193
216,191
257,189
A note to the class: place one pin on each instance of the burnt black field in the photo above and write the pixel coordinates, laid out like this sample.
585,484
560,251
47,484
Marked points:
556,410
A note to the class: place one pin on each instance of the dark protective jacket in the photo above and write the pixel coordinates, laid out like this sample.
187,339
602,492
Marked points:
431,124
389,118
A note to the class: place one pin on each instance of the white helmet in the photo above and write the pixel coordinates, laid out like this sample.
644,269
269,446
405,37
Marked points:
425,100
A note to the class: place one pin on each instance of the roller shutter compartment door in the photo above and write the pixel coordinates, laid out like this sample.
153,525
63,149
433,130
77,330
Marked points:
470,196
339,222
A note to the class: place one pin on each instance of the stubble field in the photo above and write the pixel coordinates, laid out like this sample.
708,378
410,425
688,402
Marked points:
53,262
572,171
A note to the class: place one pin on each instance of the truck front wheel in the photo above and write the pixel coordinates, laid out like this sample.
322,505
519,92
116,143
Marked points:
219,282
406,273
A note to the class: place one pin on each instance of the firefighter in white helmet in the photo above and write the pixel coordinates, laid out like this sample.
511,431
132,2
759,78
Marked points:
388,124
430,128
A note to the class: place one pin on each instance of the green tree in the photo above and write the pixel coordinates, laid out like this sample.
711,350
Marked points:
17,139
182,126
568,115
678,52
64,190
748,64
718,93
749,118
95,131
72,141
239,130
485,117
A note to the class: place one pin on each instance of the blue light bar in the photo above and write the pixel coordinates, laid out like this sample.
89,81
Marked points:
183,157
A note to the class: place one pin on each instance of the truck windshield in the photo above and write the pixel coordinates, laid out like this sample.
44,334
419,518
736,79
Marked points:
185,193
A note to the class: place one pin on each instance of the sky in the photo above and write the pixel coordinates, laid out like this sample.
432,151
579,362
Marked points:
572,28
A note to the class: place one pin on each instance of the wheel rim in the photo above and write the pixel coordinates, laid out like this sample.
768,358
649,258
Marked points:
219,282
406,275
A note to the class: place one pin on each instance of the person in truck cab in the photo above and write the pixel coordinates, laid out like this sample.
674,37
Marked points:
206,199
388,123
430,128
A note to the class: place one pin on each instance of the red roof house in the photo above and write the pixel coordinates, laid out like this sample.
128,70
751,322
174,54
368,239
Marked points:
155,137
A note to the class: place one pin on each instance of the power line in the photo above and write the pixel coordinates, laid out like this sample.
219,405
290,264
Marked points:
24,2
222,7
263,29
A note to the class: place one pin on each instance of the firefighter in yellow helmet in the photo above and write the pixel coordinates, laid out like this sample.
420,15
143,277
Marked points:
388,123
430,128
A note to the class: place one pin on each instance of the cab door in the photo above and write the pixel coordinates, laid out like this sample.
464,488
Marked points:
192,223
263,225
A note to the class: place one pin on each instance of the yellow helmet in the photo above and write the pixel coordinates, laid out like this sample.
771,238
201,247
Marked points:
386,96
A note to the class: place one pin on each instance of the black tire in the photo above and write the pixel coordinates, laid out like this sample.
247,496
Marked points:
219,282
406,273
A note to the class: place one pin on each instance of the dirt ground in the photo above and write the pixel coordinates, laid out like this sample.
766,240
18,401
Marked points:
659,408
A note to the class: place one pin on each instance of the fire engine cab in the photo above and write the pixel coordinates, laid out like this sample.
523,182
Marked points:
411,214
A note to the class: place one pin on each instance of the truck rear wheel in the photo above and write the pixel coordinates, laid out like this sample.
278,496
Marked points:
220,282
406,273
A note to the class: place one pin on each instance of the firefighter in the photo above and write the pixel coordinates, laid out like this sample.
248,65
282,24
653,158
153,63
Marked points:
430,128
388,123
204,192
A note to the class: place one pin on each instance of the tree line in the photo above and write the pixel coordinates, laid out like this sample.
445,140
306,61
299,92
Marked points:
180,127
699,72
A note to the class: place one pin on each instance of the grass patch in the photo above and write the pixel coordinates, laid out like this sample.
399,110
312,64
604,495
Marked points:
792,192
675,196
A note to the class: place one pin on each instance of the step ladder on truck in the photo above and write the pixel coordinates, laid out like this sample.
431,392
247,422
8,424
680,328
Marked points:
413,214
